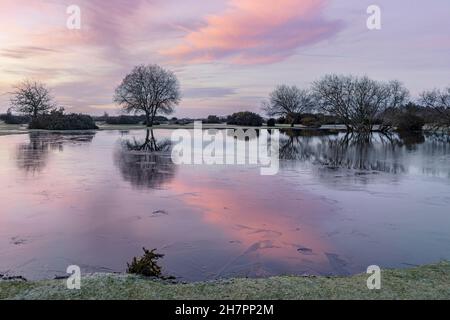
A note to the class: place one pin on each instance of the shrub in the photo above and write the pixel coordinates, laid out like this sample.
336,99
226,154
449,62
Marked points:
124,120
9,118
57,120
281,120
161,119
128,119
102,118
147,265
311,121
320,118
409,122
245,118
327,119
271,122
294,118
213,119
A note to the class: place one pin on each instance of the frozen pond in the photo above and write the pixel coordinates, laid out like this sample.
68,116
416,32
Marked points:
337,205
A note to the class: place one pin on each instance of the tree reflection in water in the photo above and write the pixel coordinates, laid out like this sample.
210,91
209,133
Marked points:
411,139
298,144
32,157
147,163
361,152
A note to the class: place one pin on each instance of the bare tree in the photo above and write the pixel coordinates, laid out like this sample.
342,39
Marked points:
398,94
439,101
359,102
288,101
148,89
31,98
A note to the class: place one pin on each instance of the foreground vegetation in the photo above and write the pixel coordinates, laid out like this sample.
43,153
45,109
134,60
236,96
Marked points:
425,282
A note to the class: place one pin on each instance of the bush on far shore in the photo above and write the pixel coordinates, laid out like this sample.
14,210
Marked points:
128,119
124,120
410,117
409,122
310,119
212,119
245,118
10,118
57,120
271,122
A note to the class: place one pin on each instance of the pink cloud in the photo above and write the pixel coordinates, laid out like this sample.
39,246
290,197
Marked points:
112,25
257,32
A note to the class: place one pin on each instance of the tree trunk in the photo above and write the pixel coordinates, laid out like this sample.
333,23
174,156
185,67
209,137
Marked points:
153,117
147,119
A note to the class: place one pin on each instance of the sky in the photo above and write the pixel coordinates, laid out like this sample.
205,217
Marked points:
227,54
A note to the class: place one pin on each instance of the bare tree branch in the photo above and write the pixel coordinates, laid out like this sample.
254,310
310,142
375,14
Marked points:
439,101
288,102
150,90
31,98
359,102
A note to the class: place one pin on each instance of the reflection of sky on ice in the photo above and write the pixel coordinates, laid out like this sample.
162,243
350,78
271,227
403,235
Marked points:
335,207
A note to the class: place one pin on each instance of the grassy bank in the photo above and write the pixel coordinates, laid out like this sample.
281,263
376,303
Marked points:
6,129
425,282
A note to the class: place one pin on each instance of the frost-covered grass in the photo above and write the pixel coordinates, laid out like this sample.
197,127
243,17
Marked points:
425,282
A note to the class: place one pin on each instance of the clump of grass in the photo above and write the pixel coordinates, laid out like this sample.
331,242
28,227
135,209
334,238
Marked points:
147,265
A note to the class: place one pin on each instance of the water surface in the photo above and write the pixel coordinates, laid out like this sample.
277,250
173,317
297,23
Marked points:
339,204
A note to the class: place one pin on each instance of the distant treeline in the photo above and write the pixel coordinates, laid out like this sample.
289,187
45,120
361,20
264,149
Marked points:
307,119
127,119
247,118
361,104
408,117
10,118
